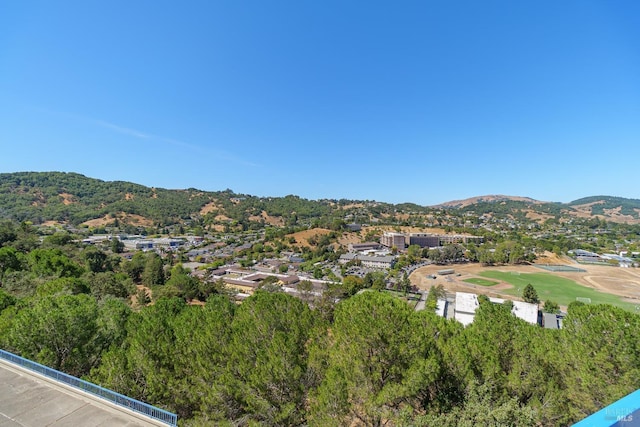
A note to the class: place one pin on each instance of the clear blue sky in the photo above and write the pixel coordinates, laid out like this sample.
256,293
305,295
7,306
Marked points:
396,101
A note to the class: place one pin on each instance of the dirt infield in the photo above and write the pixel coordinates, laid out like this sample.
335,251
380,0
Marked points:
624,282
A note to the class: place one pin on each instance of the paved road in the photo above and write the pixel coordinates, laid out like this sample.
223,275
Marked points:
423,300
29,401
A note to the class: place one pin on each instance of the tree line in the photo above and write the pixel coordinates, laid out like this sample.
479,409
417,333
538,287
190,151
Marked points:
275,361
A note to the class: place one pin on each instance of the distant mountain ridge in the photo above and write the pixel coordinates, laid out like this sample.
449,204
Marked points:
67,197
609,208
492,198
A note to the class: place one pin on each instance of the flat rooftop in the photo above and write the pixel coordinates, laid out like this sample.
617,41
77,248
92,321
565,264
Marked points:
29,400
466,302
525,311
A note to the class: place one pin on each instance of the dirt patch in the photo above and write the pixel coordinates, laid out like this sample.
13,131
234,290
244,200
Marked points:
134,297
52,224
137,220
551,258
271,220
302,237
129,196
98,222
538,217
122,217
348,238
452,283
209,207
67,199
616,216
578,212
624,282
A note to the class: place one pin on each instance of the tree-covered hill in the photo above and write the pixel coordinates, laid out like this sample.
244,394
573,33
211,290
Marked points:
73,199
613,209
608,206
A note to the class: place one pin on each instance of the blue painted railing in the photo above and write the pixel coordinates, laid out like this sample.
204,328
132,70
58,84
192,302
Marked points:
96,390
621,413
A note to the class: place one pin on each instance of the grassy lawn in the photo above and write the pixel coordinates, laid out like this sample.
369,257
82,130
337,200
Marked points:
481,282
400,294
558,289
410,298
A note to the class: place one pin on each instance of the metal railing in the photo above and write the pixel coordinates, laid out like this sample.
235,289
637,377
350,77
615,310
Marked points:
113,397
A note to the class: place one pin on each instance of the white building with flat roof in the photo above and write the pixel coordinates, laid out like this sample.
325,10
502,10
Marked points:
525,311
441,307
465,307
467,303
381,262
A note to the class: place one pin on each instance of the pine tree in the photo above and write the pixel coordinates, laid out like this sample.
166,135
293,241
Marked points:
529,294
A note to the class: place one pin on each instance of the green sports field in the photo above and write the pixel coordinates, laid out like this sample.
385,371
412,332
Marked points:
481,282
558,289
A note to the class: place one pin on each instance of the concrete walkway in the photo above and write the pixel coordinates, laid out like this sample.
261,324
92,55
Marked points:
28,400
423,299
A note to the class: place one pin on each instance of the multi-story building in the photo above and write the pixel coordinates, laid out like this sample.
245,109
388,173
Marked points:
380,262
447,239
390,240
424,240
365,246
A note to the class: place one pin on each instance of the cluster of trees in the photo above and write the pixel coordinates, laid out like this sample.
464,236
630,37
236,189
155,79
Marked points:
62,265
275,361
448,254
292,210
504,252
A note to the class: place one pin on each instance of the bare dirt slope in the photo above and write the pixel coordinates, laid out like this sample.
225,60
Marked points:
302,237
123,217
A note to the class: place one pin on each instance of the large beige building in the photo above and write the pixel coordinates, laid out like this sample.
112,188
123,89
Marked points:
390,240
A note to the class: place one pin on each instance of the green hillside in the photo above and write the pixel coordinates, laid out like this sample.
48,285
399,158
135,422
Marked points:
74,198
599,204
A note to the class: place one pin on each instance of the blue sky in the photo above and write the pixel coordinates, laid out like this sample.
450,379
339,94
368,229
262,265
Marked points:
422,102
